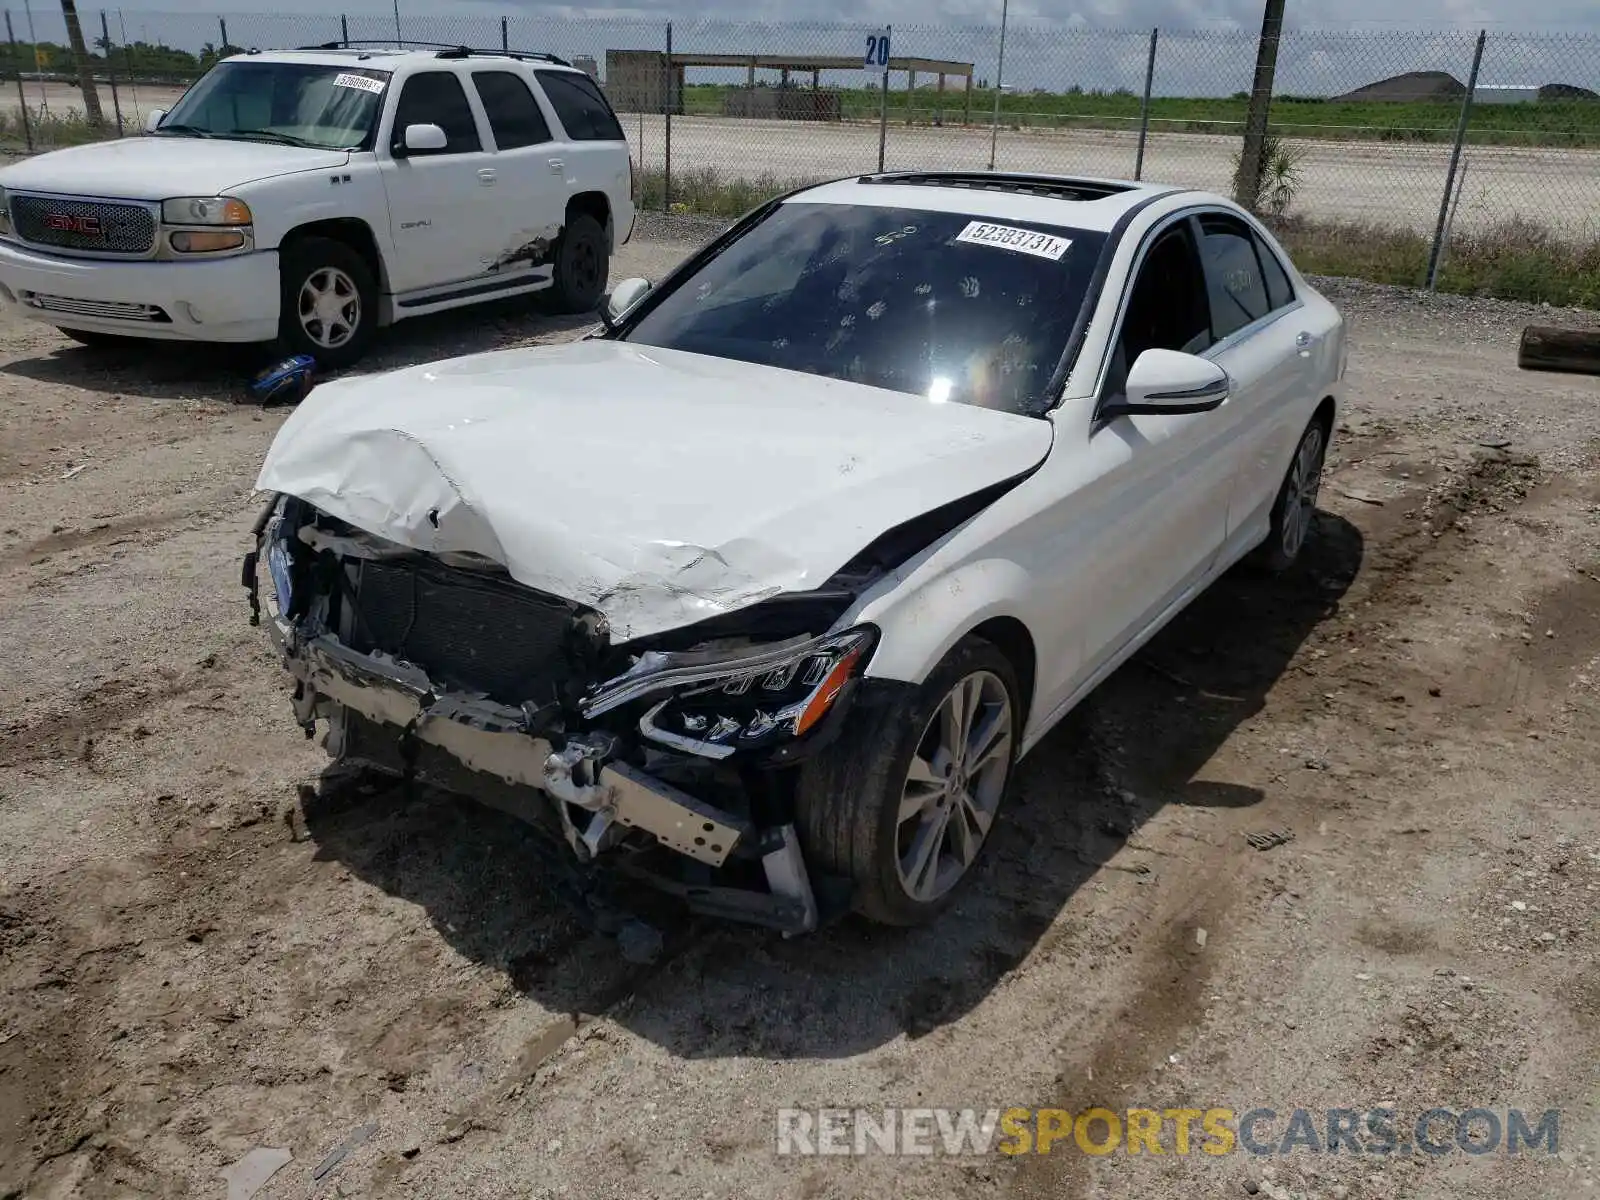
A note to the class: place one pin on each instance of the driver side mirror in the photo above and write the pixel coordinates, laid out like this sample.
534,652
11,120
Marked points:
624,296
1167,381
421,138
153,119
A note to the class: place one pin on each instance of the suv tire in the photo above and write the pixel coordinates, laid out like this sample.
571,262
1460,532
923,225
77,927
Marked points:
328,305
582,266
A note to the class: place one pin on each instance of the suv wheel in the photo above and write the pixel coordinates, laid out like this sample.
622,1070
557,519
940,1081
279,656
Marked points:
582,265
329,302
903,803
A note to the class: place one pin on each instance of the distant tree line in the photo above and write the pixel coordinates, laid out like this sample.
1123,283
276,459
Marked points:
144,60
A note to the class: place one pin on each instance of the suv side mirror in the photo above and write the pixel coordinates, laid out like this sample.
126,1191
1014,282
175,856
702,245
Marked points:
1167,381
424,138
624,296
153,119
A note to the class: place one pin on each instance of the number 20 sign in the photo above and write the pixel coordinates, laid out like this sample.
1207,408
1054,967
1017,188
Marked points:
877,56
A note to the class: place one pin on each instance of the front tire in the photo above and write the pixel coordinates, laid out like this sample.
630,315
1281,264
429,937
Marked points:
582,266
1294,509
328,305
903,803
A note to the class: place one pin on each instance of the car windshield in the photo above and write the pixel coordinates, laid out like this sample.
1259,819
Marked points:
301,104
937,304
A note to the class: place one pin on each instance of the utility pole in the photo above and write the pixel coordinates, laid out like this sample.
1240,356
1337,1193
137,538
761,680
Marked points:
1246,185
80,52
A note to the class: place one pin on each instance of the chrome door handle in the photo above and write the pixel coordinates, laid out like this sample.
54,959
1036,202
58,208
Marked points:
1303,340
486,176
557,165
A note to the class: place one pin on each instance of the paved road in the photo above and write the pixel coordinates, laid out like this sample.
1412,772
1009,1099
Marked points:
1358,181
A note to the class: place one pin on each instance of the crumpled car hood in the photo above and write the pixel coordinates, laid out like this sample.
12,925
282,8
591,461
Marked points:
658,487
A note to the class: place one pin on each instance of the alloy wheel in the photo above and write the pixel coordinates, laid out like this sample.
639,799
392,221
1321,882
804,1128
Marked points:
953,787
1300,491
330,307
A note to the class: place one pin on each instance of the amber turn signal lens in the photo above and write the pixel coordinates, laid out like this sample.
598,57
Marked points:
196,241
827,691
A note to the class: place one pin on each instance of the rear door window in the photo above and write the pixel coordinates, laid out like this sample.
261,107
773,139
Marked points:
514,116
437,98
1279,291
1234,278
581,106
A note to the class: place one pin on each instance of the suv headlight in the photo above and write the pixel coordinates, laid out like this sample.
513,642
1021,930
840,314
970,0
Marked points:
205,210
714,702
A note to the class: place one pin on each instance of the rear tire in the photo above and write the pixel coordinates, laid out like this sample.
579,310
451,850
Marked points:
582,266
328,303
891,787
1294,509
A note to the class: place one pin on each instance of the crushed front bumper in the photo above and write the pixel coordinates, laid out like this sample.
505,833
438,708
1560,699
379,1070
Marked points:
595,797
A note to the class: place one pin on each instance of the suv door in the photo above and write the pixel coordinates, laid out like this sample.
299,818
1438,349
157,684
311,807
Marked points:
444,211
1251,302
530,167
595,150
1163,481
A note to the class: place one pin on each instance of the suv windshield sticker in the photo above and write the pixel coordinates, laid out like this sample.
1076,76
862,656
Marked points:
365,82
1027,241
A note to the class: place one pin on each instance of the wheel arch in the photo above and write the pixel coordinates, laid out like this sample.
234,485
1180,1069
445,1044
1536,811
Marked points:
359,236
984,598
596,205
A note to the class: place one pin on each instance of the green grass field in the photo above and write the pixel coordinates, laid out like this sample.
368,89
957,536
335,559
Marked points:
1565,123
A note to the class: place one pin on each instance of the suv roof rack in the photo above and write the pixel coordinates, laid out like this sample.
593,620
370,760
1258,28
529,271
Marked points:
1055,186
445,49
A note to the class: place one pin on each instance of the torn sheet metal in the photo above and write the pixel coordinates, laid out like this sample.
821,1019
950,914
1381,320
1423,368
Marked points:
655,486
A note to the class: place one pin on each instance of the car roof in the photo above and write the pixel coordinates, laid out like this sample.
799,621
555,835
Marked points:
1078,202
389,58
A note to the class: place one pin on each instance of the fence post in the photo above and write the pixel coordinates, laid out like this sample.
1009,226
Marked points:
1455,161
505,35
999,86
1144,106
344,28
22,95
667,105
883,103
111,71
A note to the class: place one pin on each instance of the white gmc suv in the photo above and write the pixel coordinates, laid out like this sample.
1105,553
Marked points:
308,197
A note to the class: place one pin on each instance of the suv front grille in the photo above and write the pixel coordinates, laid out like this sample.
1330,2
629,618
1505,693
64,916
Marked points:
470,632
86,225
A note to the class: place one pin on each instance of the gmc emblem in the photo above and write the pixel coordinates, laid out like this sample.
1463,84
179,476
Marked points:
71,224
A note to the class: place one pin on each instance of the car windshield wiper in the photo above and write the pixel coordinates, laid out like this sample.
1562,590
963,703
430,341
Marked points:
272,135
182,130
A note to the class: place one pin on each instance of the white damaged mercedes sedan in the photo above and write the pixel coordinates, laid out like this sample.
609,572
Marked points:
760,592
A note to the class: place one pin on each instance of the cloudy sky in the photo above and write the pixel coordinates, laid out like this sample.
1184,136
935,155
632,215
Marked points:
1530,15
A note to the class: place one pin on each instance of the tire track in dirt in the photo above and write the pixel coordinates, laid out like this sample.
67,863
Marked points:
1406,547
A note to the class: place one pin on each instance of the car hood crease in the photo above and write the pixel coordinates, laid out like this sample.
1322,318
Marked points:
658,487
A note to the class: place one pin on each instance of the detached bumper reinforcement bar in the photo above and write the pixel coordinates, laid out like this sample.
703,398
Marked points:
491,738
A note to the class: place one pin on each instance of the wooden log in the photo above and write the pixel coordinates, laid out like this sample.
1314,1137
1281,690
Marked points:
1545,348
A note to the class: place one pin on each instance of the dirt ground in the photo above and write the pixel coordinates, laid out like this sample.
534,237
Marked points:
203,951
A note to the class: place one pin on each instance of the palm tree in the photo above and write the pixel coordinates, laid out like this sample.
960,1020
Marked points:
80,53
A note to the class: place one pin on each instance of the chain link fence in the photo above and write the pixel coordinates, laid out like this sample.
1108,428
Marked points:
1422,150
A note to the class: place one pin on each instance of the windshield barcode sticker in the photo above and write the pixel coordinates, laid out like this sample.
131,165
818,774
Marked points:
365,82
1007,237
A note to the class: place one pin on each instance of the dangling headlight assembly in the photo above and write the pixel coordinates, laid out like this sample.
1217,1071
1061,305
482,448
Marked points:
715,701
